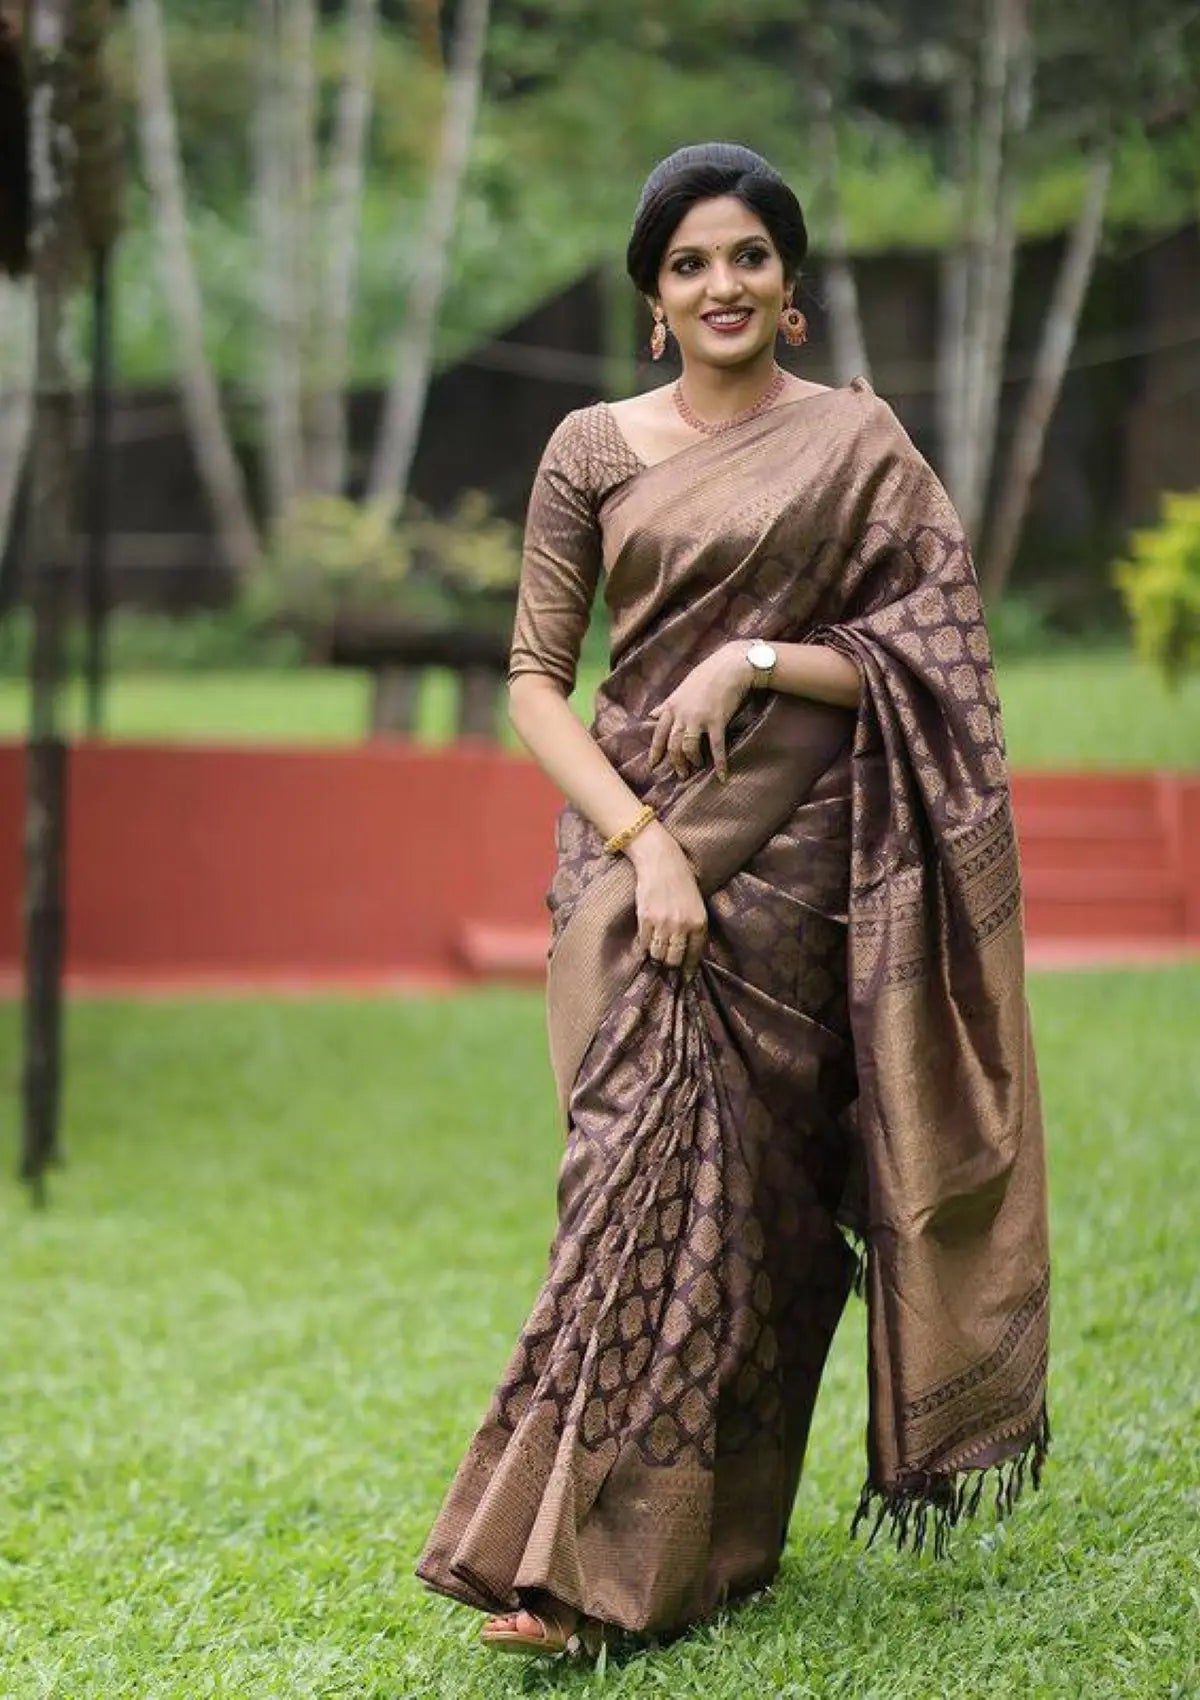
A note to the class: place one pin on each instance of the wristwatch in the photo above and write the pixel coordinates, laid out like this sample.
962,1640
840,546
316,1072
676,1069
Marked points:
762,658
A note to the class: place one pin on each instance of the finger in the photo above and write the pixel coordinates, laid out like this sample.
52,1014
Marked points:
657,946
716,743
693,749
676,951
695,950
677,752
662,731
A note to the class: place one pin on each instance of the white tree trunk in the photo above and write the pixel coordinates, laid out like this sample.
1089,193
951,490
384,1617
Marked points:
986,250
283,108
16,395
953,304
341,234
849,346
997,290
413,356
1050,365
219,469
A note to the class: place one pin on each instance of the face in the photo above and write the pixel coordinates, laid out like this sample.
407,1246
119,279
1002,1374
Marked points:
721,284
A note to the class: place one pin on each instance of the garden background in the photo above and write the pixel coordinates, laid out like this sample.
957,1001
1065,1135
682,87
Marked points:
340,267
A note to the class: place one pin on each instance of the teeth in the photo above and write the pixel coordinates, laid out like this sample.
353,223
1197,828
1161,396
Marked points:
727,318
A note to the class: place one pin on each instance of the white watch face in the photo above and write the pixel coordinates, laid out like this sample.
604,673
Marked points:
760,655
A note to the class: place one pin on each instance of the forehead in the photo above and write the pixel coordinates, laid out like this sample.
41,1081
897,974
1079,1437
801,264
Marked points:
719,223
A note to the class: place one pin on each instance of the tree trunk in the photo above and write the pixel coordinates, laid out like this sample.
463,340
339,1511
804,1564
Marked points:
218,466
997,290
99,174
987,243
341,236
16,396
96,587
619,321
281,148
413,356
849,346
1050,365
51,537
953,302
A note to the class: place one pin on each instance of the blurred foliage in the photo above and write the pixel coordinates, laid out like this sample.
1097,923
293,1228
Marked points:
1160,583
579,103
333,559
201,641
330,557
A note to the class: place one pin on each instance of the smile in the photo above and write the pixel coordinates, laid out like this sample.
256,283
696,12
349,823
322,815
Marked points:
728,319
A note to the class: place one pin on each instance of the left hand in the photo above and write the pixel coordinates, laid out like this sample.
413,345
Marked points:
702,706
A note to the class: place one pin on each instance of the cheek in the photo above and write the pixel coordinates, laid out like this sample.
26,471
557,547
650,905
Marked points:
769,284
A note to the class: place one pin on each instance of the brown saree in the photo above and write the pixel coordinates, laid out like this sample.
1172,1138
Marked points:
853,1058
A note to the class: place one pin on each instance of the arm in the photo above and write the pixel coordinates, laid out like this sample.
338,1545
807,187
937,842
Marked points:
670,907
816,671
558,579
706,701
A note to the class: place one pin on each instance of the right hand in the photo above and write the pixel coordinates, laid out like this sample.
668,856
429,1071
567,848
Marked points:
672,919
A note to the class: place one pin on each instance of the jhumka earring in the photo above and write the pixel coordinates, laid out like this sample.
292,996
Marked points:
658,336
794,326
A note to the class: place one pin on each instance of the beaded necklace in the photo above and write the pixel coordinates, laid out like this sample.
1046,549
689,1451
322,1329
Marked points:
711,428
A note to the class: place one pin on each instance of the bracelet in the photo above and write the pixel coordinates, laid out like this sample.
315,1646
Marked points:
627,834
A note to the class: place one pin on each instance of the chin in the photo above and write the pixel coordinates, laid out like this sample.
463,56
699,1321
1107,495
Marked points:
726,358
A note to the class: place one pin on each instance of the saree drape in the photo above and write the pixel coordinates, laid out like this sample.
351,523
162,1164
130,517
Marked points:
853,1062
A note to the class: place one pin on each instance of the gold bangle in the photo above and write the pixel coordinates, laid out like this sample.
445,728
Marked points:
627,834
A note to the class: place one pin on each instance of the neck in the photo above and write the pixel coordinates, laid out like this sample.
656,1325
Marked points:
718,392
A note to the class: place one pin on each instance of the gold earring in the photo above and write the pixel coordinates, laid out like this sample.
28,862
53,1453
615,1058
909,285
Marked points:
658,336
794,326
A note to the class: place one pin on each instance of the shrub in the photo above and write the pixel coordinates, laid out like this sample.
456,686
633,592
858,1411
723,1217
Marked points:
1160,583
206,640
334,559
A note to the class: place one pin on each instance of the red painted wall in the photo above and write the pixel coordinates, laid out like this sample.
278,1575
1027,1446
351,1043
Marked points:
384,861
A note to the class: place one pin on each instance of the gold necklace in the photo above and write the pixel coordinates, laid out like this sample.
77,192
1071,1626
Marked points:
712,428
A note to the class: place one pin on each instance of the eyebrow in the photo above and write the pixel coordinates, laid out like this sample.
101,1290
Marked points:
698,248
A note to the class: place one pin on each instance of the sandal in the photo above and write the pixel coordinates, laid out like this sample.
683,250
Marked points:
568,1633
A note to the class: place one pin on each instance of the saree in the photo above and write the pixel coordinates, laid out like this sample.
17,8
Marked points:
846,1091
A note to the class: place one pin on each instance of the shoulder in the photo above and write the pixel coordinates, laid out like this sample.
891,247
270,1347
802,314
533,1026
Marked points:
587,449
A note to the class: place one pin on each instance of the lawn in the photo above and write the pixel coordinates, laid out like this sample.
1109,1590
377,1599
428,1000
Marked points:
1076,709
245,1345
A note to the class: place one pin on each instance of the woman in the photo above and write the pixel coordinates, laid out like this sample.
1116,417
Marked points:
785,986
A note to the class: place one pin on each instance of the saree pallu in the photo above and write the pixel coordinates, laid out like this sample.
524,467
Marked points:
852,1062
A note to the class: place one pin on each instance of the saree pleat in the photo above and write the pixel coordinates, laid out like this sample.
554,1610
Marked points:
851,1063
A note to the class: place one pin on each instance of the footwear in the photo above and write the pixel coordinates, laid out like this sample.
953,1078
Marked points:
560,1630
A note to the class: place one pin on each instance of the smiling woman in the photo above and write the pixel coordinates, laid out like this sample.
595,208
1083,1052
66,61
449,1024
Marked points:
787,1015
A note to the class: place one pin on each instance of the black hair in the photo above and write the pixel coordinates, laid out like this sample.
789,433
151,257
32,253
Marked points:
702,172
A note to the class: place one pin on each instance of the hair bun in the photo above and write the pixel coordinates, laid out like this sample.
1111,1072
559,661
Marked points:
723,156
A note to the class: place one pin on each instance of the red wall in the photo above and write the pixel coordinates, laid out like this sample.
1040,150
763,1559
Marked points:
385,861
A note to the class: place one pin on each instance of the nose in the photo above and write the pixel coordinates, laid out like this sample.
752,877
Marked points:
724,284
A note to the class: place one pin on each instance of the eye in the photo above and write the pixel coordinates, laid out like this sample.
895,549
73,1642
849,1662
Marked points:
754,256
685,265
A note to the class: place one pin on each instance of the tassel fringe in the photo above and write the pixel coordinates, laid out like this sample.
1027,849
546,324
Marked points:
924,1510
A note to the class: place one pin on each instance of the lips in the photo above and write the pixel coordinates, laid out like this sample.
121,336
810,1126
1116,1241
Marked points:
728,319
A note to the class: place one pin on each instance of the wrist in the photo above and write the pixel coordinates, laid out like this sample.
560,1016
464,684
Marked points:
650,844
760,658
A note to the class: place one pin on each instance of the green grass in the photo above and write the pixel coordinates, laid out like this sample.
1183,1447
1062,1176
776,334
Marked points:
245,1345
1076,709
